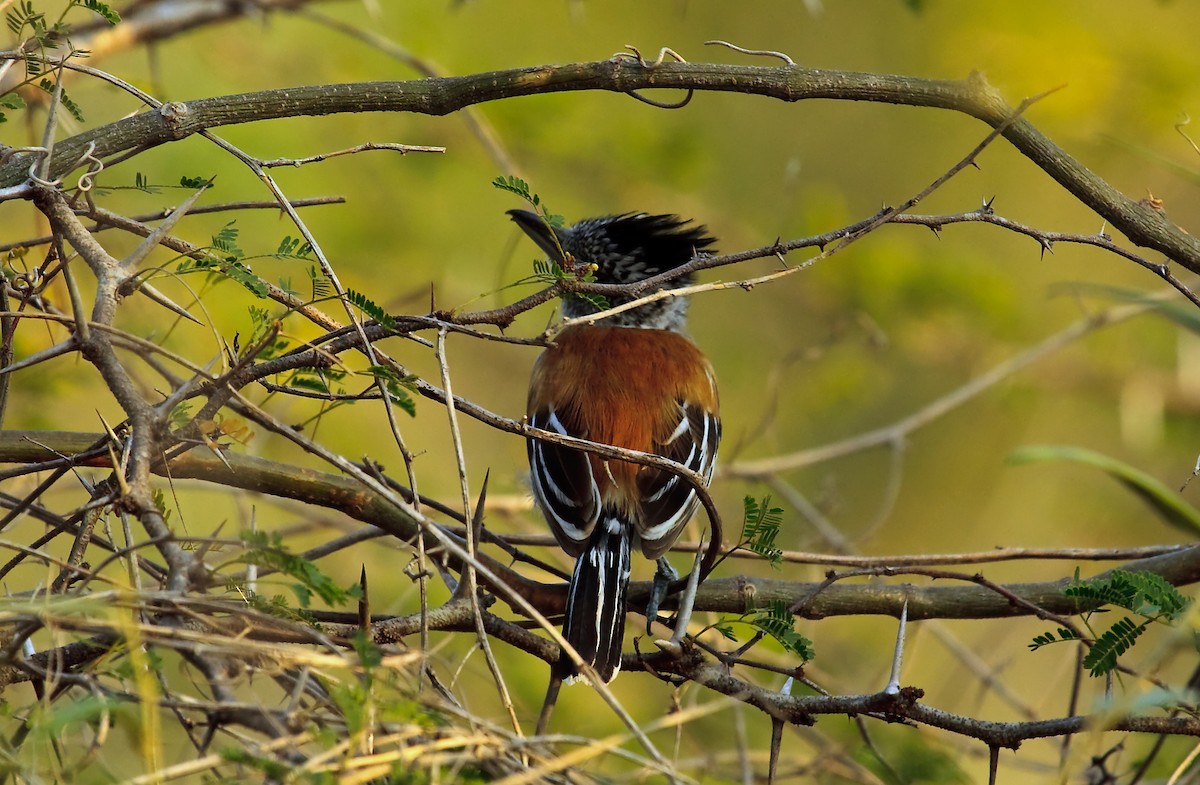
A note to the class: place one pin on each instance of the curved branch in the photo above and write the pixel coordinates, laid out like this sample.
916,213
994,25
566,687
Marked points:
1140,222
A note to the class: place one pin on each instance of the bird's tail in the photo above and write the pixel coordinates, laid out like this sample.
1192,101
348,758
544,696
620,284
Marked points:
595,623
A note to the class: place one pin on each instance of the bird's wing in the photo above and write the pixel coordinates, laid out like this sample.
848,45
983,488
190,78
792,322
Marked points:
668,500
563,483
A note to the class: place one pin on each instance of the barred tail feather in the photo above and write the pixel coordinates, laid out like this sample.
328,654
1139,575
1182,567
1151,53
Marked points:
595,623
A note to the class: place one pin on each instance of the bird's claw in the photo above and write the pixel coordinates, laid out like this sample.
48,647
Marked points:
664,576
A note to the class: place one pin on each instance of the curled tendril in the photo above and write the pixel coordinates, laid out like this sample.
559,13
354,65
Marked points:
635,54
38,153
95,167
26,283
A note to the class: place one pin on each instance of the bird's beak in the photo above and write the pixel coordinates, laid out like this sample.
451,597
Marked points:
546,236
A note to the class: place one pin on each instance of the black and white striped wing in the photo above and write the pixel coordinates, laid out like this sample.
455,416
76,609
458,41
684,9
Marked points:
563,484
668,500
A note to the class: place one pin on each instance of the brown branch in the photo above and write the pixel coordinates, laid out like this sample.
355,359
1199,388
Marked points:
1141,223
905,705
97,347
725,595
101,225
734,595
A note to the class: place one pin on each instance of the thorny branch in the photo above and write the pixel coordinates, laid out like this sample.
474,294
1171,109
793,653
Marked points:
1141,223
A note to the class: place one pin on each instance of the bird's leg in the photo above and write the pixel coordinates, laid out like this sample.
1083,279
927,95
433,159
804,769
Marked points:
664,576
549,702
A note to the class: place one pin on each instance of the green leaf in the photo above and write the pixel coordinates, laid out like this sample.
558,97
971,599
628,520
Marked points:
87,709
224,260
246,277
33,65
225,241
1145,593
364,304
160,503
25,16
1142,592
515,185
125,668
230,268
142,183
293,248
548,271
397,387
277,605
597,301
1154,597
103,9
309,381
320,284
271,769
10,101
73,108
1115,641
267,550
777,621
180,415
726,630
760,526
1045,639
369,654
1100,593
1169,505
519,187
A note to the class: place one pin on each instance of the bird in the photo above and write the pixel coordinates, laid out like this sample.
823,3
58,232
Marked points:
634,380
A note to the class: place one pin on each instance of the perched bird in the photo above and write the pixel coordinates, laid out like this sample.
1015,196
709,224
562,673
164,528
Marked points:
630,380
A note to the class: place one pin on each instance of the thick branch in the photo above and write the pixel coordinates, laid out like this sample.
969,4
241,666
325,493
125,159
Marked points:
1141,223
816,600
725,595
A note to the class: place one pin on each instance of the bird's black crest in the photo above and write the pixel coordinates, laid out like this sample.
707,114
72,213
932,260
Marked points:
633,246
625,249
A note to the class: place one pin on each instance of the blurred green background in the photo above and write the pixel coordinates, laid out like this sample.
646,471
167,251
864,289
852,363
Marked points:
853,343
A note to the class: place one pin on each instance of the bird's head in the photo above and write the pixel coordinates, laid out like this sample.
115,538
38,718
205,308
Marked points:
622,249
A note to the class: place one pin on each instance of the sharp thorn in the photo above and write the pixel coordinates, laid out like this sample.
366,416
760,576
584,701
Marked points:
166,302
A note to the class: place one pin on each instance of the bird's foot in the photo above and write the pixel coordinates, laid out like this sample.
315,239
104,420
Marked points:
664,576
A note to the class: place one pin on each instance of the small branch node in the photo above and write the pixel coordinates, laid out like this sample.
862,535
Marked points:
174,115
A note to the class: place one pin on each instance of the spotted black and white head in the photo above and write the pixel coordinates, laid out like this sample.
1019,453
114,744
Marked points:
625,249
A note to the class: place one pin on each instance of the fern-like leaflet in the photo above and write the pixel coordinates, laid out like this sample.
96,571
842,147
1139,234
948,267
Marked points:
1144,593
760,527
397,387
777,621
321,287
1114,642
365,304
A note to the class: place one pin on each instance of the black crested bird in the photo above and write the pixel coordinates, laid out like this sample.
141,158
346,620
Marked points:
630,380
